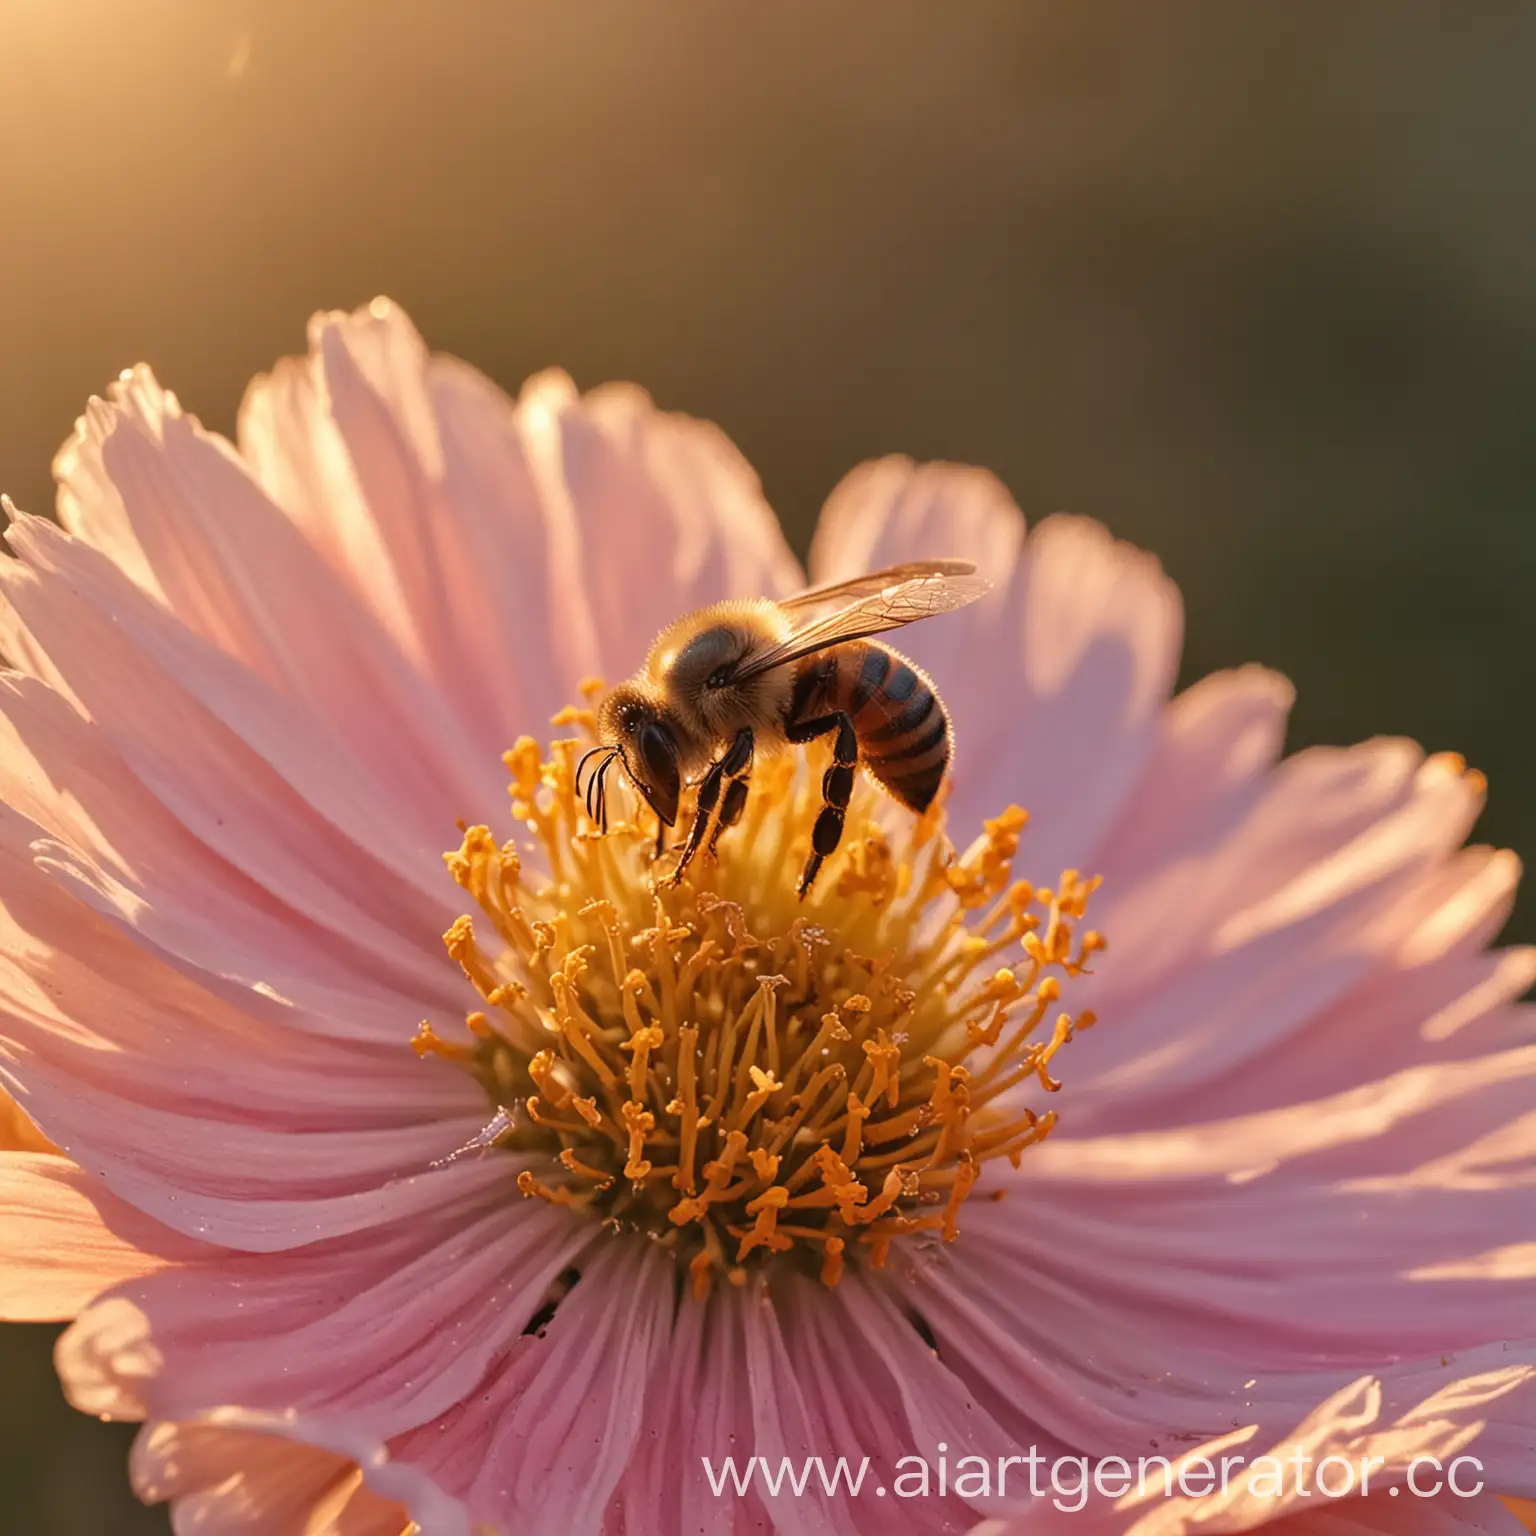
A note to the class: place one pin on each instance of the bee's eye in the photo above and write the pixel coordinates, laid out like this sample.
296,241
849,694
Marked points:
659,758
654,753
719,678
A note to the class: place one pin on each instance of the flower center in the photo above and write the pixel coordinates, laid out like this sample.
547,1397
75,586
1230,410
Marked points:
746,1077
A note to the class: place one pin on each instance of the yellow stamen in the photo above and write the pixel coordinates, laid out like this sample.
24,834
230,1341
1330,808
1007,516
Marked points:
427,1042
752,1079
638,1122
832,1265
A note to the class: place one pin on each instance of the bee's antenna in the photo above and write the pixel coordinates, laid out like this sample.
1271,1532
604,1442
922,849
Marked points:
596,793
601,777
584,759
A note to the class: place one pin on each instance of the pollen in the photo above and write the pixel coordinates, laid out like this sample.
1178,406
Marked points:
748,1078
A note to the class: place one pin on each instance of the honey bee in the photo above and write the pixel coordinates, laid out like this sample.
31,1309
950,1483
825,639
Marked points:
743,677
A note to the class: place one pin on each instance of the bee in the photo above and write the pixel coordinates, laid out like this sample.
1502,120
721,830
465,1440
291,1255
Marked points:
727,682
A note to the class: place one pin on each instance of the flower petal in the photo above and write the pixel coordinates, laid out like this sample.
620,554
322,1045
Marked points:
1229,952
1271,1476
103,835
887,511
231,566
545,1440
240,764
670,515
393,1483
513,551
875,1387
699,1407
1216,743
197,1111
67,1239
457,1279
1243,1271
233,1482
1055,682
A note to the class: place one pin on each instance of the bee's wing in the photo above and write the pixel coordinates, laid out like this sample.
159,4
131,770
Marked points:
873,582
905,594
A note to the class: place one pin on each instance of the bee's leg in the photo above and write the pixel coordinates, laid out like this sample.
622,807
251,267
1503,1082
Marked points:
732,761
836,787
737,764
709,792
661,837
730,811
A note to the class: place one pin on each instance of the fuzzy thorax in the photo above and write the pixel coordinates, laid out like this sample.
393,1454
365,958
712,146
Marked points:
748,1078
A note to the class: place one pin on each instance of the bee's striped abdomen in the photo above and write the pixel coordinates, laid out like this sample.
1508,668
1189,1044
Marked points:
897,716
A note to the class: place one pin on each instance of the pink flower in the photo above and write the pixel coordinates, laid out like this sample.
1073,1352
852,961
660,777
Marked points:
1291,1188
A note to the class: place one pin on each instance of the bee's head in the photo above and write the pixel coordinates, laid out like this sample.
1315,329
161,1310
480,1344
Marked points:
632,729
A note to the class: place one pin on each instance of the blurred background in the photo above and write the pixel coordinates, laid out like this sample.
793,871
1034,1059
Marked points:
1255,284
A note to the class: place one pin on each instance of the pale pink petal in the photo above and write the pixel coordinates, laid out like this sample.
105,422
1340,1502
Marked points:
891,510
193,1109
511,552
103,1011
790,1371
1094,644
458,1278
1381,1515
228,753
410,478
1173,903
1230,953
784,1419
67,1239
1216,743
1056,681
552,1429
175,509
1434,996
123,854
874,1387
670,516
387,1484
699,1406
247,1187
1362,1424
231,1482
1228,1272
